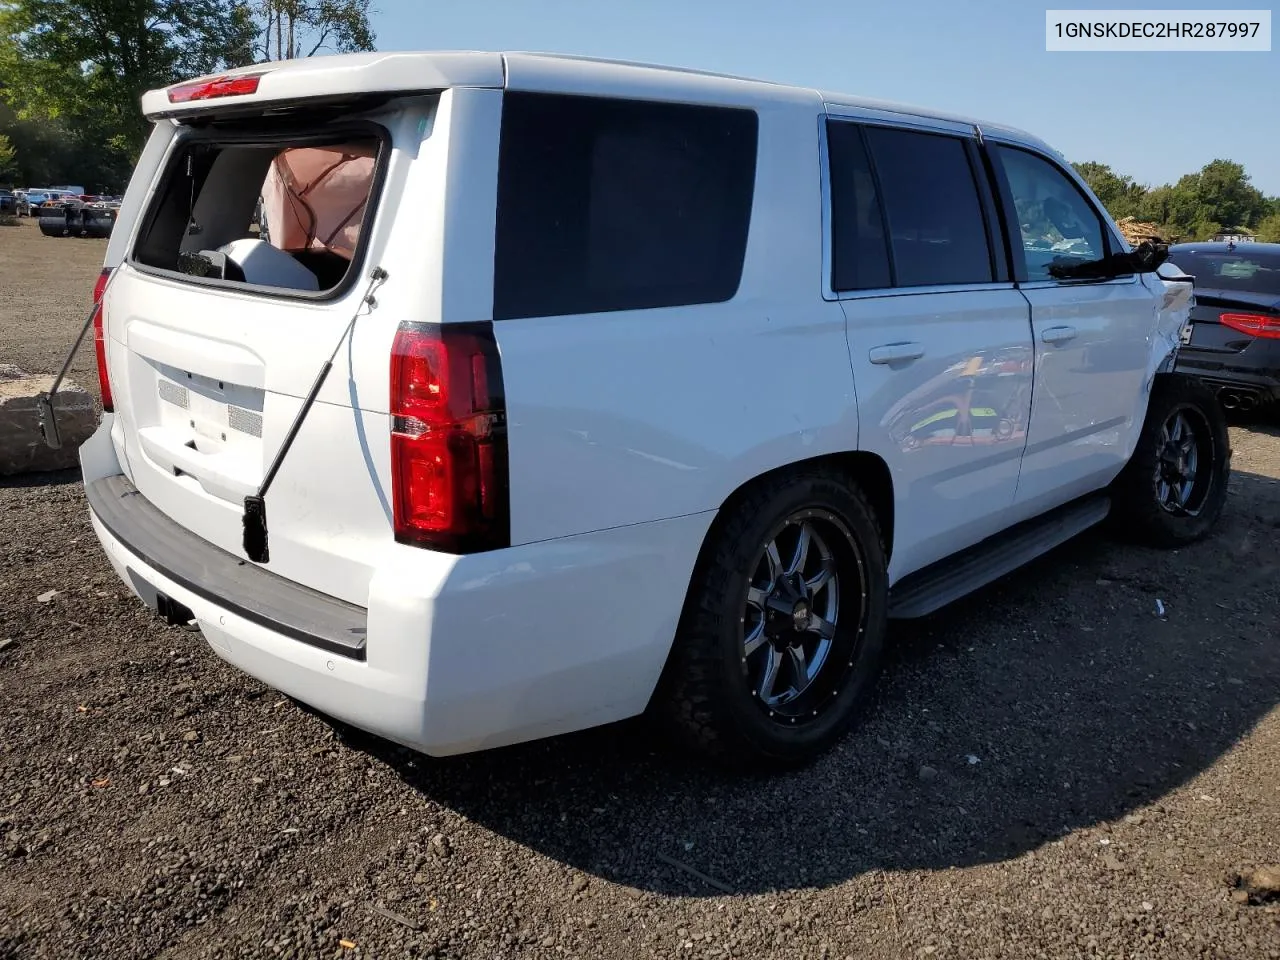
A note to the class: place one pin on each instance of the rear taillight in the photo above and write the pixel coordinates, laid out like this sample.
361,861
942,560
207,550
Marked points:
215,87
100,341
1254,324
449,438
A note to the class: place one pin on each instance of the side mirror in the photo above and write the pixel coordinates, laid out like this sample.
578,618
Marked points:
1145,258
1148,256
1171,272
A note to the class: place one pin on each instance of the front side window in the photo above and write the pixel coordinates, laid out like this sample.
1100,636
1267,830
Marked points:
607,204
1058,226
936,227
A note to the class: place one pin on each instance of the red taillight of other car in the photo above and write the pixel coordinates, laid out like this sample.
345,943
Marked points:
100,339
449,438
1253,324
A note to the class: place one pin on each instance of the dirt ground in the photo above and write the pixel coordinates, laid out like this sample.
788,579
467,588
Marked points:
46,289
1051,769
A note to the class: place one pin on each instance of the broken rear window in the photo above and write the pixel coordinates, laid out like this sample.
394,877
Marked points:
285,217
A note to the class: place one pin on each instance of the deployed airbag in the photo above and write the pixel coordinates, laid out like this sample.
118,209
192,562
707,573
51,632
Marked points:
314,198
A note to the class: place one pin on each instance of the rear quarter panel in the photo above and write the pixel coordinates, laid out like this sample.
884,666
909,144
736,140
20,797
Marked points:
634,416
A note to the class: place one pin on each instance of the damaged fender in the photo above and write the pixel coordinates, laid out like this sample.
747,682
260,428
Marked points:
1173,314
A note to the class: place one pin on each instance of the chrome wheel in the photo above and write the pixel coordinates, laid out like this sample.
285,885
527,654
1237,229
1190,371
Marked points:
1185,445
803,615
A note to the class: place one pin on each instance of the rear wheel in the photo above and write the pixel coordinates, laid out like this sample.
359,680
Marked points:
1175,485
781,635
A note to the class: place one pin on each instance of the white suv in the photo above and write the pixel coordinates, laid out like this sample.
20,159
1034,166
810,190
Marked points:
651,389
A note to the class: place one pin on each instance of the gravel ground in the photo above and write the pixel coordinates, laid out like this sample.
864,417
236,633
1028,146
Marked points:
1051,769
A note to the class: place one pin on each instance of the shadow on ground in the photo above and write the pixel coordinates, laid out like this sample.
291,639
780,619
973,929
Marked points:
1077,700
1056,699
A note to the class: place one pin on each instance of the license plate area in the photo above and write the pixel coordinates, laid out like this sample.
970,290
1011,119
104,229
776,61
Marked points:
220,416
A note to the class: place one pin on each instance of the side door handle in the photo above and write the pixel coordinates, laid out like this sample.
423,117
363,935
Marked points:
896,352
1058,334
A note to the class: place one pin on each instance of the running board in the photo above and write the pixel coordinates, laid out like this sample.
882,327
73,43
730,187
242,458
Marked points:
921,593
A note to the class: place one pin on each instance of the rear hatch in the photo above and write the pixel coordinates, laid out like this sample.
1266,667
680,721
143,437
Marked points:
245,260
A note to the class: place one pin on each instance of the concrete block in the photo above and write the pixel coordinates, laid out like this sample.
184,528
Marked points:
22,446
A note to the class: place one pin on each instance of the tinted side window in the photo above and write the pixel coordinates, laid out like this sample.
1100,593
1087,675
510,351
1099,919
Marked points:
859,254
1057,223
936,227
607,204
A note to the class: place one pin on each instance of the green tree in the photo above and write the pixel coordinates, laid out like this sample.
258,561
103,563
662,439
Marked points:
53,150
302,28
91,60
8,160
1269,229
1121,195
1205,230
1156,206
1225,189
1220,192
1216,197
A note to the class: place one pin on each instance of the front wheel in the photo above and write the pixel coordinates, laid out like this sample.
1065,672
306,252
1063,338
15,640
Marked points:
1174,488
780,640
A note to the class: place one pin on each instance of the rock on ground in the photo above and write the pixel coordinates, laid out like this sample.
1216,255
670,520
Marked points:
22,445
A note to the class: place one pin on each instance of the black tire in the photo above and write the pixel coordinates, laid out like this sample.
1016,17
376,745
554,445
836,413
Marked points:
53,226
1146,504
98,227
710,694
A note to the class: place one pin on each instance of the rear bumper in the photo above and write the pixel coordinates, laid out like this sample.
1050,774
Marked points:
458,653
206,571
1255,370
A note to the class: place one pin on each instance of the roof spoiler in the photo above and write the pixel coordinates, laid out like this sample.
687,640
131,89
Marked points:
322,78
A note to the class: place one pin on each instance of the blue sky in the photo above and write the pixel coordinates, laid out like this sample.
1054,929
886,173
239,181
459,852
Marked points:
1154,116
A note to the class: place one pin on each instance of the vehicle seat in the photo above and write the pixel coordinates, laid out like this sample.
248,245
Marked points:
268,266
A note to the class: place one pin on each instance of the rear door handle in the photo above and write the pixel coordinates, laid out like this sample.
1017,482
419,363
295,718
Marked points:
896,352
1058,334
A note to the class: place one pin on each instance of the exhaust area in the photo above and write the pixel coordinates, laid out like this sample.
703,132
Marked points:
1239,400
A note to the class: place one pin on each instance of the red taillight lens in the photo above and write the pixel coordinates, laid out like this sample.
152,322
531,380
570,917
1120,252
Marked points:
215,87
100,341
1254,324
449,438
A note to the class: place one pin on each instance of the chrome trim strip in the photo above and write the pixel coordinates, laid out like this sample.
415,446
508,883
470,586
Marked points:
824,180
